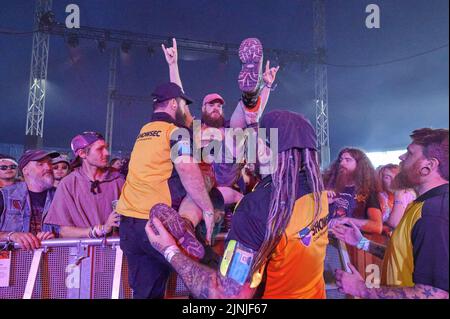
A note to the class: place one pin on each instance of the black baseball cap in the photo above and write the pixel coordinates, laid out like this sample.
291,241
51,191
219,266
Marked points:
294,130
35,155
167,91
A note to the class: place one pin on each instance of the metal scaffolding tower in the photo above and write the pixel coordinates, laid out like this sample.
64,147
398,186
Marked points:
321,82
46,26
111,91
38,78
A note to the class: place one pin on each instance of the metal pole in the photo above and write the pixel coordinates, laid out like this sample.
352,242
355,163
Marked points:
111,90
321,82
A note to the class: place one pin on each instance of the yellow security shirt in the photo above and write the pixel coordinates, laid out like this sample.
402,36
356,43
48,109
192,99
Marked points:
152,177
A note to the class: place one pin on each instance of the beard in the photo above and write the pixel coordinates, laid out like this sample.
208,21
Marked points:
180,117
47,181
407,177
213,122
344,179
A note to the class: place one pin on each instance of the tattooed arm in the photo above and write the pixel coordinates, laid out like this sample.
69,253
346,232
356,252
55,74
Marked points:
204,282
416,292
353,284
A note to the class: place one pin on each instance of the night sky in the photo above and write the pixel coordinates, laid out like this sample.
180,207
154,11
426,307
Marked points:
374,108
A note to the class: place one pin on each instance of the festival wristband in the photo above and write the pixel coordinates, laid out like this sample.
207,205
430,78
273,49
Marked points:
363,244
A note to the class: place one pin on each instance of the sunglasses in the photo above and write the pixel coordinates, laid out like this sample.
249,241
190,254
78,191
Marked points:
6,167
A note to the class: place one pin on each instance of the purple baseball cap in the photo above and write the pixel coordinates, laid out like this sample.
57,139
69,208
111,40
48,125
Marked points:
34,155
83,140
294,130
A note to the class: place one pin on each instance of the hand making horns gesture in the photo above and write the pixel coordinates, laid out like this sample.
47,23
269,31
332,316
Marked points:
171,54
270,74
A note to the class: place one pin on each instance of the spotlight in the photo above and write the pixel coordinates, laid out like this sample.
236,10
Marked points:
126,46
73,41
101,44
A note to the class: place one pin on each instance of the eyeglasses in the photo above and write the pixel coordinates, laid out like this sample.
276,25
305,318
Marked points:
6,167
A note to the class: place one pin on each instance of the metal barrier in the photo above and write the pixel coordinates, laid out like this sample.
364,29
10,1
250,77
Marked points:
97,269
68,268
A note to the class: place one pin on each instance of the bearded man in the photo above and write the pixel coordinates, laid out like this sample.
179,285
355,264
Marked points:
416,260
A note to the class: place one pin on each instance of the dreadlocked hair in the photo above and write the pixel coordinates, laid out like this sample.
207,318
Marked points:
284,194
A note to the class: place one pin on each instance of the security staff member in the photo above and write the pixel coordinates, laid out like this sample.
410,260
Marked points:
153,178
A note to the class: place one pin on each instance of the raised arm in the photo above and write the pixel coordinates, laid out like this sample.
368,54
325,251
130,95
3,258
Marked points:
242,119
171,55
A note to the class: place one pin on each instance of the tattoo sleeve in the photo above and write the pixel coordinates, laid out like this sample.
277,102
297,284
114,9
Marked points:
192,180
417,292
377,249
204,282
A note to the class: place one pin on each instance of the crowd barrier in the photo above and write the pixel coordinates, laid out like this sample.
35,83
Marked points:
97,269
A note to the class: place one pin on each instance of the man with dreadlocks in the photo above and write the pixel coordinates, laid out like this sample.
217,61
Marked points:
278,236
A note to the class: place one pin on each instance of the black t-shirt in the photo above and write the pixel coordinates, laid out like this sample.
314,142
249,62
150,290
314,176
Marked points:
250,217
37,208
349,204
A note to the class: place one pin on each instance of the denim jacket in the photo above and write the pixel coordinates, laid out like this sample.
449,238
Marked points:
16,214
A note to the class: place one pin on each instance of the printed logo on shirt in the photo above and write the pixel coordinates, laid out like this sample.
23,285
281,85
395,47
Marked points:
305,236
308,234
149,134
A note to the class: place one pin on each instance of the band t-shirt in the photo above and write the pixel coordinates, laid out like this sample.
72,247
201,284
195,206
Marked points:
349,204
37,209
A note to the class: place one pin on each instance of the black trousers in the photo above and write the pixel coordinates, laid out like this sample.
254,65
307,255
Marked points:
148,271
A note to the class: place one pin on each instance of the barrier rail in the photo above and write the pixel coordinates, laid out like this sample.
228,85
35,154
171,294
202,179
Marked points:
67,268
97,269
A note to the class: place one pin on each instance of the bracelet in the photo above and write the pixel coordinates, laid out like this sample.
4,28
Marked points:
170,251
271,87
8,237
363,244
208,213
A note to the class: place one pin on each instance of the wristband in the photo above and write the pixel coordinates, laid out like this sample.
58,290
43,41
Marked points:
363,244
271,87
208,213
170,251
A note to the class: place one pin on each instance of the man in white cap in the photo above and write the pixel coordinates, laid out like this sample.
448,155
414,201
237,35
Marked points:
8,170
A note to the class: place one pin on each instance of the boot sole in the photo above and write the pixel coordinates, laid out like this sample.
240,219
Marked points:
176,225
251,56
